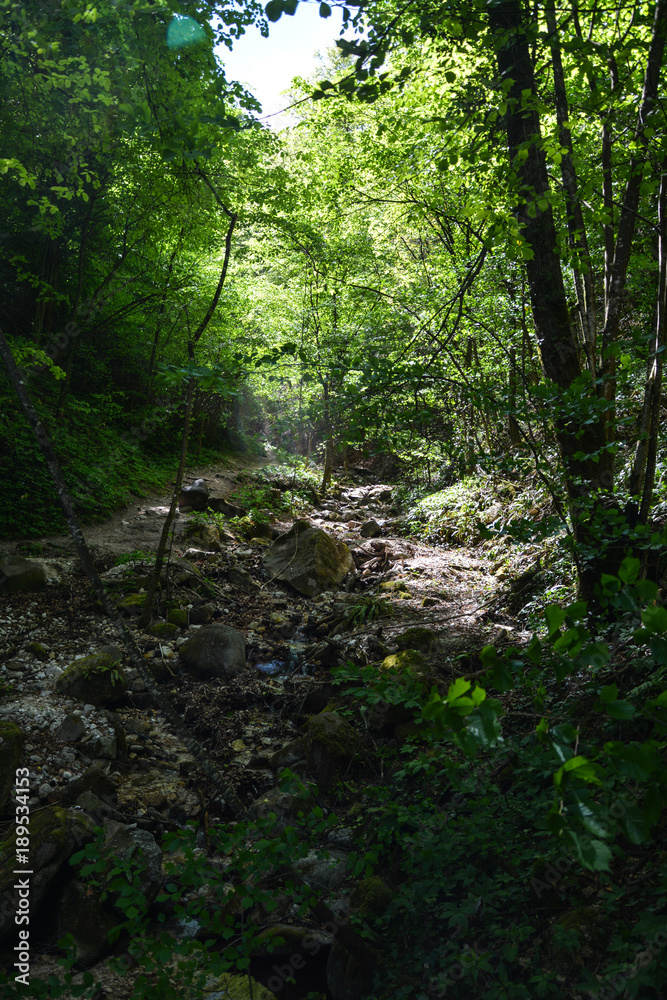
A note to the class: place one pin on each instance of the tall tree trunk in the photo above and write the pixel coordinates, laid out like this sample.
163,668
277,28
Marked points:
587,462
643,469
582,266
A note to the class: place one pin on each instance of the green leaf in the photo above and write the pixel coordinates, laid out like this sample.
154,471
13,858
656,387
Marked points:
609,693
655,619
621,709
501,677
629,570
634,761
592,854
325,10
488,656
458,688
555,617
580,767
274,10
659,649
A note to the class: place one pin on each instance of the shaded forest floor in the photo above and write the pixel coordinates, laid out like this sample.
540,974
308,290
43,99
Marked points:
479,896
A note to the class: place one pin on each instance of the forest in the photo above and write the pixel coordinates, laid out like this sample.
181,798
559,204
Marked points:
426,318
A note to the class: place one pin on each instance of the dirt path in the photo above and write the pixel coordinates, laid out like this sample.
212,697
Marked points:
137,527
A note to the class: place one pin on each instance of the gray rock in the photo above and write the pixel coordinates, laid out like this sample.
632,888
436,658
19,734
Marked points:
309,559
241,579
18,574
215,651
71,728
194,497
96,780
371,529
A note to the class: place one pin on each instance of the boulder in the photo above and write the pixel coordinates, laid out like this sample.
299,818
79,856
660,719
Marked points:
215,651
87,914
241,579
419,638
96,780
11,750
331,744
55,834
205,536
95,680
81,913
194,497
370,529
18,574
309,559
71,729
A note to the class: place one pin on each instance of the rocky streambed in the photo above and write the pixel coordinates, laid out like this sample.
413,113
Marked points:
251,621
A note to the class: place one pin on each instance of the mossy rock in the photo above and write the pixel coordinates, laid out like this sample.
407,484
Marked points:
280,940
96,680
394,587
230,987
178,616
55,835
203,535
11,751
408,668
163,630
308,559
331,744
370,898
38,650
132,605
407,661
421,639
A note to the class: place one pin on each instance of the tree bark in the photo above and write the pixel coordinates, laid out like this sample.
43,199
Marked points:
587,462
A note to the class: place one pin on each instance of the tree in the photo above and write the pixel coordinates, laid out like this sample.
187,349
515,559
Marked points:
543,116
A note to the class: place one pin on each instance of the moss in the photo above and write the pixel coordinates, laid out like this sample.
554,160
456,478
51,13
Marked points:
333,733
163,630
394,586
55,834
96,679
331,746
38,650
408,661
178,616
371,898
419,638
133,604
